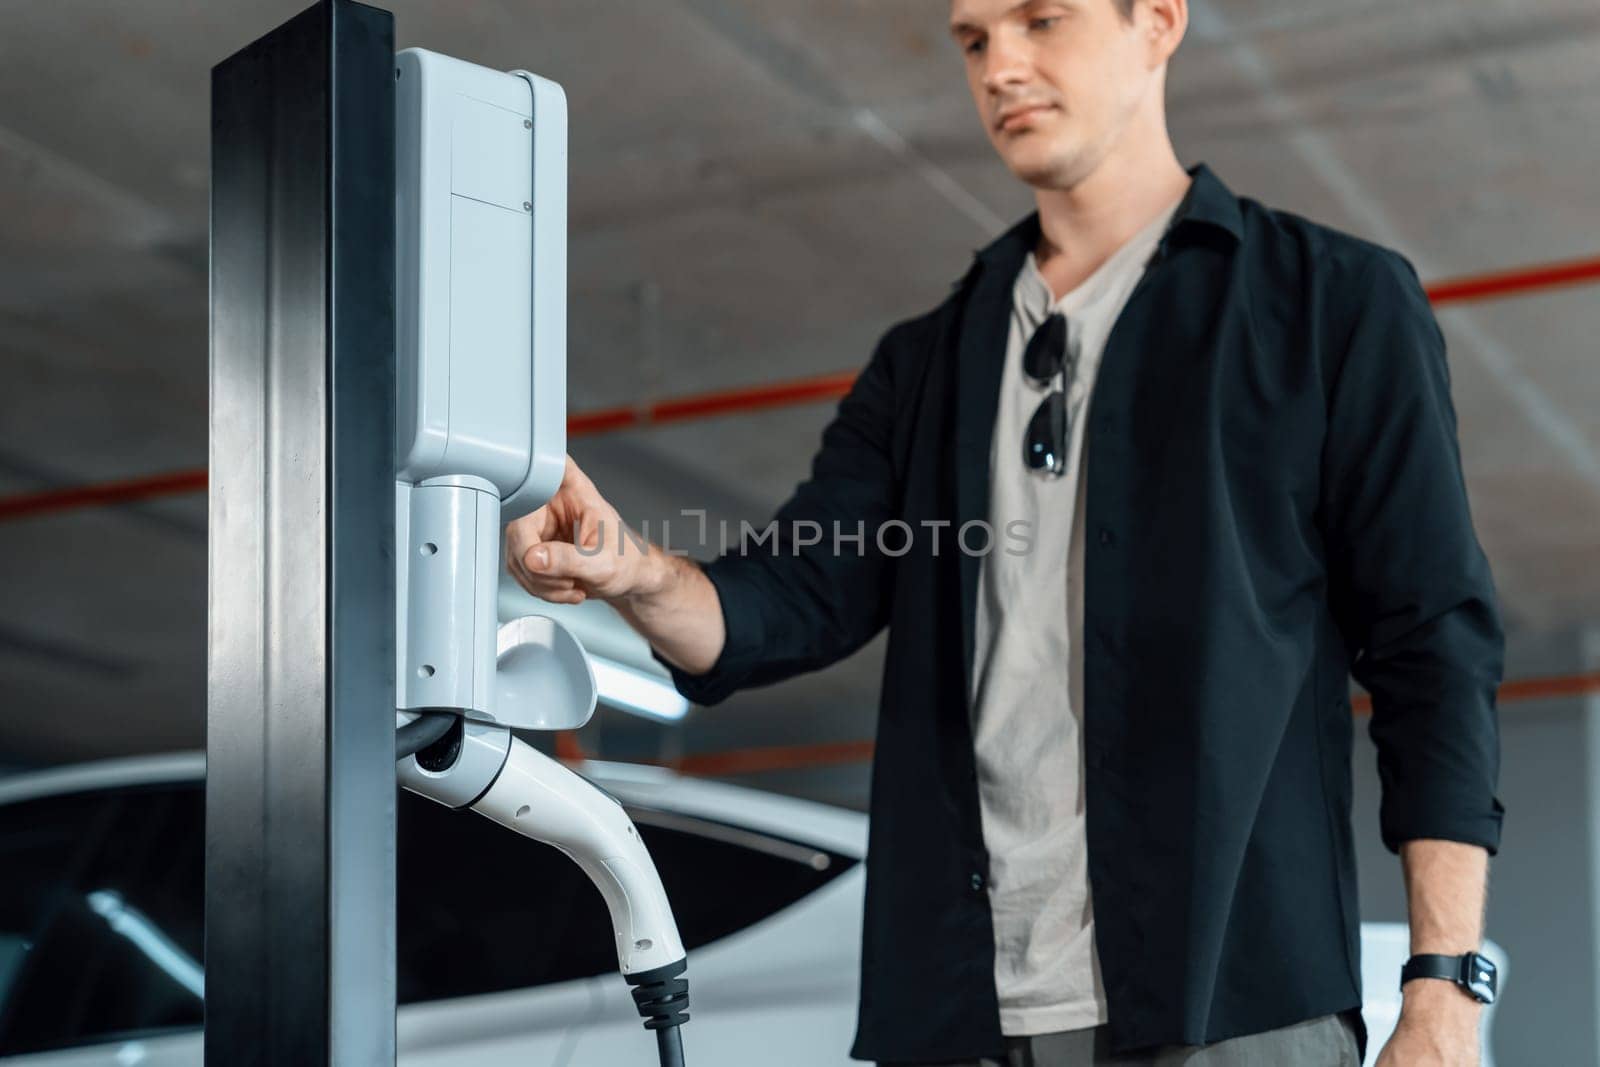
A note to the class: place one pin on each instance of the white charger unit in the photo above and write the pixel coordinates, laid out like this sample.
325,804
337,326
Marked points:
481,288
481,187
481,217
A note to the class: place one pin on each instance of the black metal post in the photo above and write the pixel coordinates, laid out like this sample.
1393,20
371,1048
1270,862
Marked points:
300,782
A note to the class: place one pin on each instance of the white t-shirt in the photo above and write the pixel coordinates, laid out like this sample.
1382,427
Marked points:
1027,674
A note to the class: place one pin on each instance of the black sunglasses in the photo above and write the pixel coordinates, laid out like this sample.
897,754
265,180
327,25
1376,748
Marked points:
1044,446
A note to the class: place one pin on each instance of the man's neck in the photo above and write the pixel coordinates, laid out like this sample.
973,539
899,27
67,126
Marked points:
1080,227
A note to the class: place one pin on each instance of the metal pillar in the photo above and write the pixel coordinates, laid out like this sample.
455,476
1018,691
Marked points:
300,784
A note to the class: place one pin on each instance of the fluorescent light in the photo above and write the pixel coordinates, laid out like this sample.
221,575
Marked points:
627,689
160,949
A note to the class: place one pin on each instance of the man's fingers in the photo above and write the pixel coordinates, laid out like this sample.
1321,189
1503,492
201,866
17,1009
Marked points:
520,574
543,586
541,523
551,589
558,559
554,552
516,569
572,476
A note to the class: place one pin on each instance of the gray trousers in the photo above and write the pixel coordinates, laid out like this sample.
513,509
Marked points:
1326,1042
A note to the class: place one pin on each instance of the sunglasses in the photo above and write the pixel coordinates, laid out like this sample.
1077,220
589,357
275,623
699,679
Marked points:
1044,445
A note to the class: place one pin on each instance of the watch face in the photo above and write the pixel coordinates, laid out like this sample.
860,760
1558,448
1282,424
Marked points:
1478,975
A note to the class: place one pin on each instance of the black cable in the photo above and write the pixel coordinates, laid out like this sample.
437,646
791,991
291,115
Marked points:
421,732
669,1042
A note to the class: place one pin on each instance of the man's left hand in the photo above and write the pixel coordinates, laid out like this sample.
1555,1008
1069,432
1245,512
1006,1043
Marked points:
1438,1028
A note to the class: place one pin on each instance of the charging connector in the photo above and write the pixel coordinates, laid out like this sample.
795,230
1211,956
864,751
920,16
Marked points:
526,791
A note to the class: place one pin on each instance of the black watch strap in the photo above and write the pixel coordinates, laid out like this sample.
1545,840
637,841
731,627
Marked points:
1472,972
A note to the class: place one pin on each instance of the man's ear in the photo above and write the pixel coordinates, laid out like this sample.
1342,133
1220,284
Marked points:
1164,23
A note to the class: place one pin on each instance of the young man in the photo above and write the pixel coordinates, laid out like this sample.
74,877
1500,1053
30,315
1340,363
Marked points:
1111,789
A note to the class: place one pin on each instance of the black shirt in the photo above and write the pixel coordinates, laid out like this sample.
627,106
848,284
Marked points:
1275,502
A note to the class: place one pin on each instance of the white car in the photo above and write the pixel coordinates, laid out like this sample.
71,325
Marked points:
101,869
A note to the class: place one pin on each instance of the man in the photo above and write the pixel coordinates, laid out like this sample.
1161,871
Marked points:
1111,789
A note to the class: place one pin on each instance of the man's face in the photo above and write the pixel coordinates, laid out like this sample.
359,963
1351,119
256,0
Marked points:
1056,81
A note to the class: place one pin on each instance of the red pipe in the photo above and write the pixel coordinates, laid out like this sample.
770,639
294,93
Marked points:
1508,283
83,496
841,753
603,420
777,394
581,424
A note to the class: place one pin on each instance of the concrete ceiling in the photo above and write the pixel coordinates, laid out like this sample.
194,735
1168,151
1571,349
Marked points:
759,189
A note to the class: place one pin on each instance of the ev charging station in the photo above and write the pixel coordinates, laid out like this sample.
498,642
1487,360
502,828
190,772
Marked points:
388,368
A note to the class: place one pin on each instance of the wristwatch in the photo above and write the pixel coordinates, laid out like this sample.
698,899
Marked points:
1472,972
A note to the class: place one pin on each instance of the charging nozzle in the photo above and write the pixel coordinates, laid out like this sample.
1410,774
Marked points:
540,798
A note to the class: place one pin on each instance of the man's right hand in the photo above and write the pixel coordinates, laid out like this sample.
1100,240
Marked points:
575,547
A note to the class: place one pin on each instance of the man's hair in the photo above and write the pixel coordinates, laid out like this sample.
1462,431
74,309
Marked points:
1124,8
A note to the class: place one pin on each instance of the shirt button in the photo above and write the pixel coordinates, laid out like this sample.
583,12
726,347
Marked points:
1106,536
977,882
